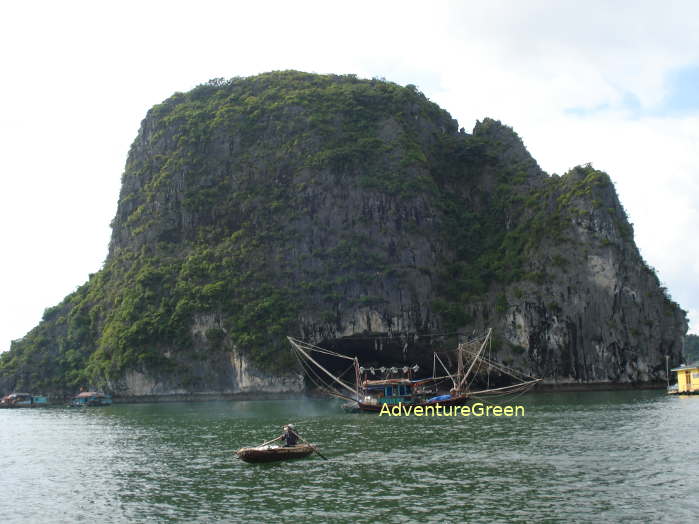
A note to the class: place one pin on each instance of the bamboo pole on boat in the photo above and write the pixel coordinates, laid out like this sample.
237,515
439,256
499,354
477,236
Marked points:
298,347
445,369
460,362
268,442
260,445
487,337
318,349
357,376
512,387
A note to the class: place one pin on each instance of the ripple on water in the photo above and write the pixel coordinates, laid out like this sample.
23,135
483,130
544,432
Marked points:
573,457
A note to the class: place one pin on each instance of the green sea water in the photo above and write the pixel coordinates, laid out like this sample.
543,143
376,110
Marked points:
626,456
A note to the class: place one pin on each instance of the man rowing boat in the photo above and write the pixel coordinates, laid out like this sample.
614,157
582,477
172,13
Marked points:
289,436
291,448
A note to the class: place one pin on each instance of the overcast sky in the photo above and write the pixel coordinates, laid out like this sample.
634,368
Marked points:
611,83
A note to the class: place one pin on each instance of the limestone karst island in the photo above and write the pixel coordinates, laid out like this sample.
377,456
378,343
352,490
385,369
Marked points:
354,215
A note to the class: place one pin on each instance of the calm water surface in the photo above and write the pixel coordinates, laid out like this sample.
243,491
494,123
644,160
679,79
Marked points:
583,457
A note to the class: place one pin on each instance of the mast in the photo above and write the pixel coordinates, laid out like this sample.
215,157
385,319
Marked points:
475,359
460,363
357,376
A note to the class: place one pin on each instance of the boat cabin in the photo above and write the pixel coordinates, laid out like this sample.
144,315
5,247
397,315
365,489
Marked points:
389,391
687,379
394,391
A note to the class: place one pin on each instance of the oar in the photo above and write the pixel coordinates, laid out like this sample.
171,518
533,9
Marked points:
260,445
268,442
314,448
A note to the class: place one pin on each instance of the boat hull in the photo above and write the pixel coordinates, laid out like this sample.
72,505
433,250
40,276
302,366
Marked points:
274,453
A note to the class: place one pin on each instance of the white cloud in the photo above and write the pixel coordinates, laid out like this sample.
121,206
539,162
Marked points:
81,76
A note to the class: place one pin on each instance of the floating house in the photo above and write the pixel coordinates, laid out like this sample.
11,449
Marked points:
23,400
687,379
91,399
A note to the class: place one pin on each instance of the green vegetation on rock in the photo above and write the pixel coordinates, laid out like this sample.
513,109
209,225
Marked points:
691,348
319,206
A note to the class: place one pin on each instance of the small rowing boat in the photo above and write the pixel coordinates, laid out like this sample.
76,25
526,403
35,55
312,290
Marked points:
274,453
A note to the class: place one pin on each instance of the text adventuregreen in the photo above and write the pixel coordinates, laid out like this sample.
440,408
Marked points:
478,409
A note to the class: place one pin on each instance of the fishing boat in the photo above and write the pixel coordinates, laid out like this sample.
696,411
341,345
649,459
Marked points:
90,399
274,453
23,400
372,388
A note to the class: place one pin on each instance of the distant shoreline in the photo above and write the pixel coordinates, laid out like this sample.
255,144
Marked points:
204,397
260,395
595,386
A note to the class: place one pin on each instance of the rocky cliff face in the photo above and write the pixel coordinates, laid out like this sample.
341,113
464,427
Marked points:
598,313
228,372
339,210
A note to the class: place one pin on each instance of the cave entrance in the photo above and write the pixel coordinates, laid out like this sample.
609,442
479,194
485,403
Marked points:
386,351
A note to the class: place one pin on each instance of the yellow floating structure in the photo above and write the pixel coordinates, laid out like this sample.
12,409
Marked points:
687,380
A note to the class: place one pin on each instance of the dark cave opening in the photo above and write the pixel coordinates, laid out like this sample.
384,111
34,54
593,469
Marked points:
400,351
386,351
